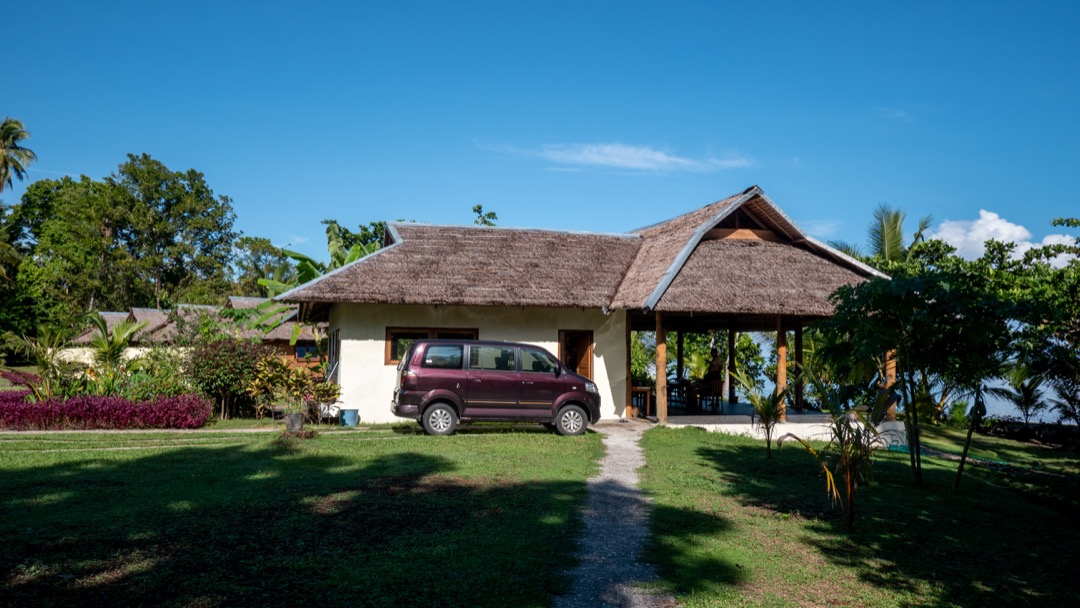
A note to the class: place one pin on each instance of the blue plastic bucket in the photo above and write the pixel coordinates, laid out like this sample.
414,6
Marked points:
350,417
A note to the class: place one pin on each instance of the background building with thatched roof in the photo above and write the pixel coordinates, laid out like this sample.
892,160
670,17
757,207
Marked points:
739,264
167,328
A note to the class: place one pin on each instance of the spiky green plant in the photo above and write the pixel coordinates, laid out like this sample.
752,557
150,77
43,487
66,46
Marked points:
768,409
853,438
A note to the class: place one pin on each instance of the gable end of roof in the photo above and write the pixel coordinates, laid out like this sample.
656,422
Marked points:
684,254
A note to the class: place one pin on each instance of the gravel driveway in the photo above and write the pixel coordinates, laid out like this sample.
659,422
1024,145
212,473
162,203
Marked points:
616,528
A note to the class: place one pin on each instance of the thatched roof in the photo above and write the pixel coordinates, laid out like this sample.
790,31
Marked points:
661,245
755,277
154,318
479,266
244,302
692,263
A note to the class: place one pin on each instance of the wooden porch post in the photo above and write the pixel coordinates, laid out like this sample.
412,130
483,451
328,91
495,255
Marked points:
890,380
661,369
781,364
731,365
799,384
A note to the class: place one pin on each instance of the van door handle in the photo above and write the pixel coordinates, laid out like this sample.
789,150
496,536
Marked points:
526,381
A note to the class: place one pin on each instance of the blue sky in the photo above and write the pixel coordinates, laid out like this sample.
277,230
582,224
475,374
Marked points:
601,116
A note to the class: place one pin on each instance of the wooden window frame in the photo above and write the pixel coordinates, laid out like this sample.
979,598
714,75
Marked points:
432,333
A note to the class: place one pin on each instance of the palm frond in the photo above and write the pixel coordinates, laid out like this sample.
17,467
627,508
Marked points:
848,249
886,232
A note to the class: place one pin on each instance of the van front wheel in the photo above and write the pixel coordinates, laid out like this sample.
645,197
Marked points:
571,420
439,419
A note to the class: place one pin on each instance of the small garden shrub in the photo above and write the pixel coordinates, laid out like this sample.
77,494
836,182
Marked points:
160,373
222,370
92,412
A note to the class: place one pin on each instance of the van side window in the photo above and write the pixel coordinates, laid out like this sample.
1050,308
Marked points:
491,357
533,360
443,356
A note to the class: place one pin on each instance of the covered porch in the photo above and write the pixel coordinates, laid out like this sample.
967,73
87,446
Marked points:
683,401
739,265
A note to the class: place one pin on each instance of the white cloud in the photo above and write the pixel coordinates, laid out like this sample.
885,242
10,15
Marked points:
295,239
970,236
624,156
822,230
894,114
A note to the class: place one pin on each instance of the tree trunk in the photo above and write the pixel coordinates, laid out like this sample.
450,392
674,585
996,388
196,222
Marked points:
911,412
849,513
963,456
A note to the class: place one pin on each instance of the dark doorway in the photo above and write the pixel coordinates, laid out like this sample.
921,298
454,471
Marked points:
576,350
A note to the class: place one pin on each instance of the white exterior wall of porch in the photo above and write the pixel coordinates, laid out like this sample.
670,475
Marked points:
367,383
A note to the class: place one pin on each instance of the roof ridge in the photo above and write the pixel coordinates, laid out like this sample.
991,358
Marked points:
681,215
516,228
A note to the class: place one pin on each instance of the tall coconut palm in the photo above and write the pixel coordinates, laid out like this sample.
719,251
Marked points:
885,236
14,158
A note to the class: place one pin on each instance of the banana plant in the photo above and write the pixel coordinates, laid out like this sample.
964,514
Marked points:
271,313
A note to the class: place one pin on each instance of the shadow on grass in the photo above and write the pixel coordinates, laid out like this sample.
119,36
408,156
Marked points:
271,525
676,533
986,545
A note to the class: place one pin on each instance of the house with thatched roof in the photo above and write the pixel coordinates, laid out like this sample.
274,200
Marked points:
739,264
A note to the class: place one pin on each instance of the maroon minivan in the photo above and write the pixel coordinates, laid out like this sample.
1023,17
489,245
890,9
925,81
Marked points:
442,382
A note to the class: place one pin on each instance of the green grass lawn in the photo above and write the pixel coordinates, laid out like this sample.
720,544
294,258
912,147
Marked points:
734,529
379,517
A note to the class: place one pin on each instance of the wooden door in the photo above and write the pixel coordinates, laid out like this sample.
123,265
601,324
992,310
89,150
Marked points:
576,351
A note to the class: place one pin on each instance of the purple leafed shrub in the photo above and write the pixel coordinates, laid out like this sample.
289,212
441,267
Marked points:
18,378
182,412
11,397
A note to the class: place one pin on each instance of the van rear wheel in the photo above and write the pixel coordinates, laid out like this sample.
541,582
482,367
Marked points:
571,420
439,419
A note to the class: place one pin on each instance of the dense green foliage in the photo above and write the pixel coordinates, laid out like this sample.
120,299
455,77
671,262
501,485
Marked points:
956,325
144,236
223,368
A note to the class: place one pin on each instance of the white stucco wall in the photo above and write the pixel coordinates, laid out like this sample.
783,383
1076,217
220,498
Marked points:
367,383
85,354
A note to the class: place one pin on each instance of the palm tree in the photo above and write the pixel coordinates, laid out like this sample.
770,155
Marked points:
109,346
1024,390
9,256
886,236
13,157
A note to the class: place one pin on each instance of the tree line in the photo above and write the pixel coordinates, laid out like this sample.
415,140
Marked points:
143,236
